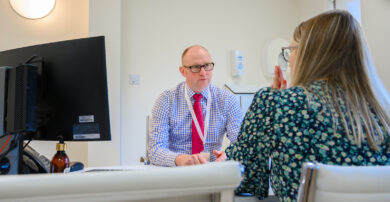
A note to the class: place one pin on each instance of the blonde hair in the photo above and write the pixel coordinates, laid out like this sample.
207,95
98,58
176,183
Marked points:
331,46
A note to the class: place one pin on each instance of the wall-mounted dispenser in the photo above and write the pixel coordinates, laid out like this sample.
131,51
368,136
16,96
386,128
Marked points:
237,63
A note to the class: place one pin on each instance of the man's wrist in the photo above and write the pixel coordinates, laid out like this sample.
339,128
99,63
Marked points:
179,158
171,158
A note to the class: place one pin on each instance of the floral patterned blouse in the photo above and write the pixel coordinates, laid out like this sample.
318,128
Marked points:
293,127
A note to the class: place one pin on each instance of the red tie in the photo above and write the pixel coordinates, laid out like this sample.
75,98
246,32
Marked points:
197,144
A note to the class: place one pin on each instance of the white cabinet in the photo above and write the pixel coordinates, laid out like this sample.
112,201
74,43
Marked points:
244,93
245,101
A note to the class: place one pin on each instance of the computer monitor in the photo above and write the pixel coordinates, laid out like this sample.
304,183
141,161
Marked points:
71,89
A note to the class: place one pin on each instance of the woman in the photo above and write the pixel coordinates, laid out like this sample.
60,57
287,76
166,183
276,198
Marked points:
335,112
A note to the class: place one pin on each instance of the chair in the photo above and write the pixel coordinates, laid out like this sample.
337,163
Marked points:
145,159
320,183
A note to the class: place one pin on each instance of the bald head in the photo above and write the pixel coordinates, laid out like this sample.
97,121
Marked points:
194,50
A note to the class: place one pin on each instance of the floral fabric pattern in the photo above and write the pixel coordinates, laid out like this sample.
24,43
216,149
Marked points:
293,126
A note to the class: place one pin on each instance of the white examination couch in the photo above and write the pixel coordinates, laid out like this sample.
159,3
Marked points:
209,182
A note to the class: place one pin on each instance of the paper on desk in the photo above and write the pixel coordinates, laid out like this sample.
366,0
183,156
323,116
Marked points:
119,168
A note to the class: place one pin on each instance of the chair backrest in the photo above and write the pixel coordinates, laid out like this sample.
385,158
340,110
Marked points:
320,183
148,124
145,159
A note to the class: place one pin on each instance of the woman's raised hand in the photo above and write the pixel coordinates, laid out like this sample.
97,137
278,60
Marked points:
279,81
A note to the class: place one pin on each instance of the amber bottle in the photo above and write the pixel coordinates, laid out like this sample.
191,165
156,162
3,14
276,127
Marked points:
60,160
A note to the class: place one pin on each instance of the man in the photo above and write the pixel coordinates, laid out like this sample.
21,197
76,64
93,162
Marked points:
188,122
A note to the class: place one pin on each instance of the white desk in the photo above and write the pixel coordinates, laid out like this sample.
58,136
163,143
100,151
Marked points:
271,197
209,182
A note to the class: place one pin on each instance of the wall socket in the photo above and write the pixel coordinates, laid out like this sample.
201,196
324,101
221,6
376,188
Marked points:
134,79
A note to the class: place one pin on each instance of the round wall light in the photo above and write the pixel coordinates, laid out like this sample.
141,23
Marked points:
33,9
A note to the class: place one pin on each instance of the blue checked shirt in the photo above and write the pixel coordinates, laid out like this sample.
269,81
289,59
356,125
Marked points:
170,129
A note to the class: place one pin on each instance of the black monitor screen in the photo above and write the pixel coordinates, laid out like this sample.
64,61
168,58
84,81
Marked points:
72,99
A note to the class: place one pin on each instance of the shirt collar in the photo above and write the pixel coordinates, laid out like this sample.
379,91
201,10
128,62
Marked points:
205,92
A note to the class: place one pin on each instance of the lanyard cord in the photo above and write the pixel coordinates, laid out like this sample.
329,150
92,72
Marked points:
200,133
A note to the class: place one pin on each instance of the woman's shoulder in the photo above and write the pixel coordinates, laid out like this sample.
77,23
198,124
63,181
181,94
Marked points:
293,94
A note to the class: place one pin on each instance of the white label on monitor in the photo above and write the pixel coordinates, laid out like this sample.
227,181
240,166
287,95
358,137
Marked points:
86,136
86,119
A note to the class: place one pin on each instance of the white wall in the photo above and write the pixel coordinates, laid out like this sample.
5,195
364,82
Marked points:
68,20
146,37
154,34
310,8
352,6
375,23
105,19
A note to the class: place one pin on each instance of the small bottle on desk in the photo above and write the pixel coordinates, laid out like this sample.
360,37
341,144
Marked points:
60,160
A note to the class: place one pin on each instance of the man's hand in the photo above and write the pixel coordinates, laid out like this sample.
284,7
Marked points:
186,160
221,155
